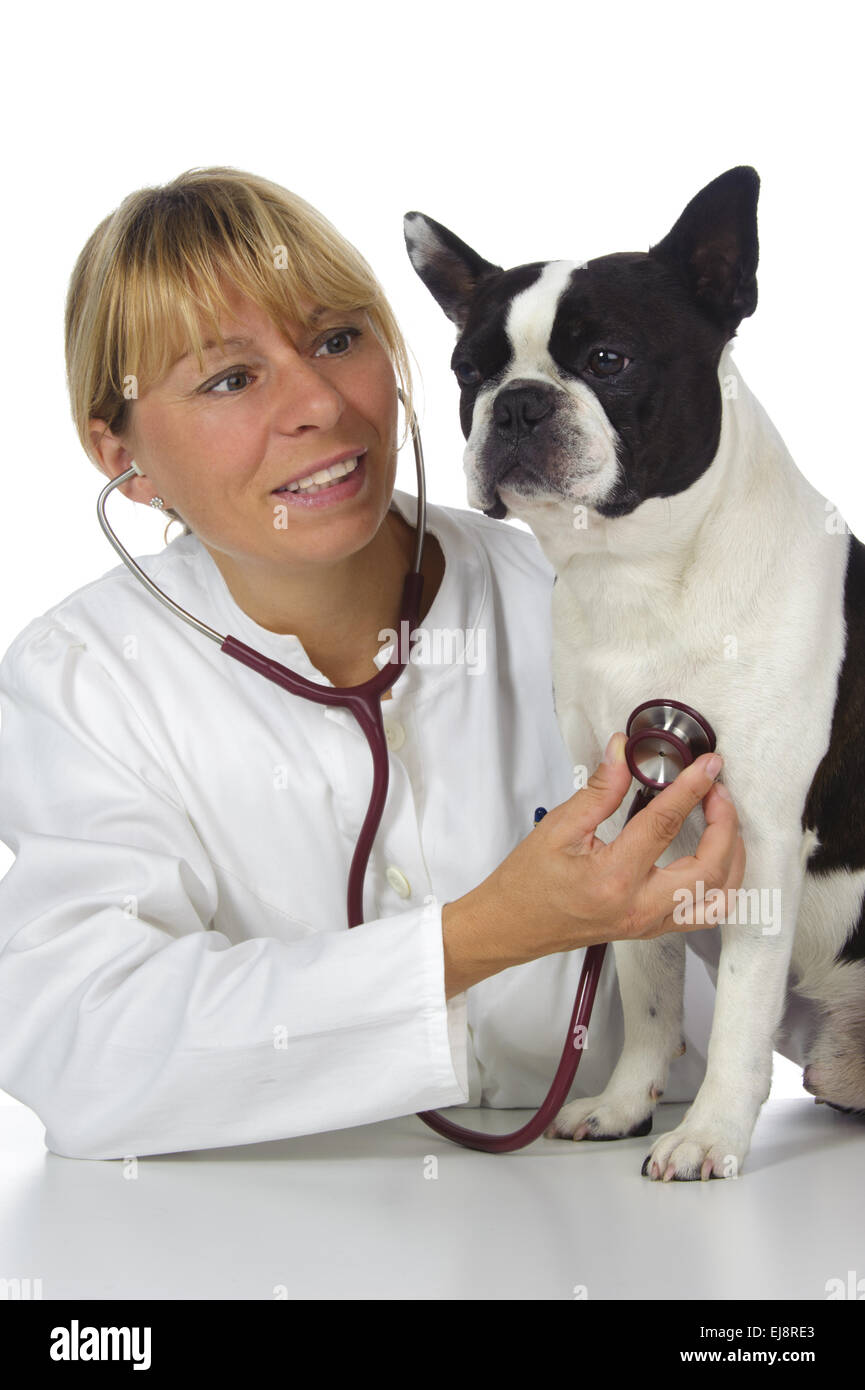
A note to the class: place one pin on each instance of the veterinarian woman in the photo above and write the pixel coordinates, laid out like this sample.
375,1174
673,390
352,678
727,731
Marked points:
175,965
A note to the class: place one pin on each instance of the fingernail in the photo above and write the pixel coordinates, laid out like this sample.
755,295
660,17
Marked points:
615,750
713,766
723,790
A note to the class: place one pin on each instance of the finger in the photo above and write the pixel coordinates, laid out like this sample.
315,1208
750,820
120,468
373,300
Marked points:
677,920
581,814
737,868
713,855
679,917
651,831
690,875
718,863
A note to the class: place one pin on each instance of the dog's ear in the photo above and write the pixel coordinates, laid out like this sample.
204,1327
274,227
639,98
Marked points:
713,247
450,270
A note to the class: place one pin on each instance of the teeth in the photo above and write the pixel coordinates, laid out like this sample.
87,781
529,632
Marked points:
323,476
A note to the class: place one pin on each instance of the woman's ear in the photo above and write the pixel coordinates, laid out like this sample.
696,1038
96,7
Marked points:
112,457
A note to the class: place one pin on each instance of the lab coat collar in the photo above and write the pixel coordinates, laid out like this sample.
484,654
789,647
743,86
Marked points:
460,604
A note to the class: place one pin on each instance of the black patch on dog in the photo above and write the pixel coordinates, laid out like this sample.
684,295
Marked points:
484,344
835,805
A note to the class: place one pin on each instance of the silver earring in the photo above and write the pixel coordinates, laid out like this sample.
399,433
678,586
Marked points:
156,502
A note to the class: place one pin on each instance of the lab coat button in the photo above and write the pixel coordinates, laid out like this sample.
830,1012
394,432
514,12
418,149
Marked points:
398,881
394,733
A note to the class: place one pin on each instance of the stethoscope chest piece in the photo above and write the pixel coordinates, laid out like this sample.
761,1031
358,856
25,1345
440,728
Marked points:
663,738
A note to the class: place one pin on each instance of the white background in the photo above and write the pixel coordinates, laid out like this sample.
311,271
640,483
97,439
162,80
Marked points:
534,131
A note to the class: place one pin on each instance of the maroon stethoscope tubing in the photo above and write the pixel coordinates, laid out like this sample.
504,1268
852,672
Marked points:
570,1059
364,701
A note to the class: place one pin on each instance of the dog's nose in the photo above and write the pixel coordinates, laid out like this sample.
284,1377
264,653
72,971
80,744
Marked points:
520,407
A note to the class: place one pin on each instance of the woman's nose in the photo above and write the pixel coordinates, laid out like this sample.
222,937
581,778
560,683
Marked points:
304,398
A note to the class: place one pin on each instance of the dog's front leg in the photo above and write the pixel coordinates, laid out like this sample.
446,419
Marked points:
651,977
757,942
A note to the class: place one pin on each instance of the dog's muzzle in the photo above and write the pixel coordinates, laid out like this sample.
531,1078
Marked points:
517,440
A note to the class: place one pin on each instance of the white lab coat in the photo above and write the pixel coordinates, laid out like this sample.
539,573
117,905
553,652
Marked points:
176,971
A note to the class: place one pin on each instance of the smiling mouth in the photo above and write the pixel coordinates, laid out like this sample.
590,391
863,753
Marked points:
323,478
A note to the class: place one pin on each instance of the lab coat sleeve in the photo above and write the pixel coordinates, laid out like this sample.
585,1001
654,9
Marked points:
128,1026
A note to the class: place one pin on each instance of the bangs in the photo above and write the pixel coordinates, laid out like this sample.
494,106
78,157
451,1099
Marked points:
178,271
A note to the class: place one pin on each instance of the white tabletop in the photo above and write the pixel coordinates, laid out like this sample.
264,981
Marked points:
366,1213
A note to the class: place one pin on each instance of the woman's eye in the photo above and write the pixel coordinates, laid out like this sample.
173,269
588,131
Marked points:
605,362
228,381
338,343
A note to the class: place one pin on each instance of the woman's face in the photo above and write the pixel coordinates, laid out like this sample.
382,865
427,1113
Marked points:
216,444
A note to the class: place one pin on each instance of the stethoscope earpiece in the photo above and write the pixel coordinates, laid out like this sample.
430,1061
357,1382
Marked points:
664,737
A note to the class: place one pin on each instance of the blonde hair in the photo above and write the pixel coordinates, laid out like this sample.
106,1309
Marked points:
149,277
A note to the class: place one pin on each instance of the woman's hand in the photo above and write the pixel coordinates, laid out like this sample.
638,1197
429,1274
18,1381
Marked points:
562,887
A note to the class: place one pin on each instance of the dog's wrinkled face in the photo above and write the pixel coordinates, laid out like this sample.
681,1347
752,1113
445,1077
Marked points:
595,382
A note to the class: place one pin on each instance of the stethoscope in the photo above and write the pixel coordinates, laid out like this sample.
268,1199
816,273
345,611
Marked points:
663,738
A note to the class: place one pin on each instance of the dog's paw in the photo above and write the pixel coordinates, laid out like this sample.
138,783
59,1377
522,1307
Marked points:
840,1080
694,1152
603,1117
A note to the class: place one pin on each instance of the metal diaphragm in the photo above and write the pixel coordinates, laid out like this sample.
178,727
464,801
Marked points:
664,737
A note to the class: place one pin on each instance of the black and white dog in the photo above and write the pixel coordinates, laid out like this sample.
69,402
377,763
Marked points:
693,561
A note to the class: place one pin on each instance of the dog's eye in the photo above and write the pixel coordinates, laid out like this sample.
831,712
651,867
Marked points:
605,362
466,374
